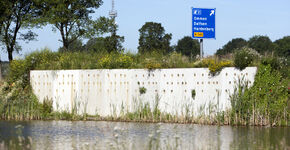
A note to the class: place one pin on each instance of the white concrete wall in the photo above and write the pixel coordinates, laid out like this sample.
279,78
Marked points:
108,92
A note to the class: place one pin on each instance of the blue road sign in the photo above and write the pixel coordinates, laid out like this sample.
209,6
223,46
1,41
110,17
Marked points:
203,23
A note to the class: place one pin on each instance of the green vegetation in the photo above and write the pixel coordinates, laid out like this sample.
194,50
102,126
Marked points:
244,57
17,15
142,90
153,38
188,47
265,103
231,46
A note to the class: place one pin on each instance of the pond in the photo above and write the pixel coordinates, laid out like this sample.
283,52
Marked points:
124,135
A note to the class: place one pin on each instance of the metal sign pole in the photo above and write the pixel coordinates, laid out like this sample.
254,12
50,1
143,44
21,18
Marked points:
201,48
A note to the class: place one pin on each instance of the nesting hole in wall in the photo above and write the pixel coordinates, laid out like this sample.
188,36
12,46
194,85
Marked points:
156,91
164,75
235,74
197,82
167,83
226,74
136,75
194,74
171,91
246,74
201,82
185,91
177,75
202,91
202,74
208,82
171,83
138,83
230,82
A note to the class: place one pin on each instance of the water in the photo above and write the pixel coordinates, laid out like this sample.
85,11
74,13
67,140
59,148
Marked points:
122,135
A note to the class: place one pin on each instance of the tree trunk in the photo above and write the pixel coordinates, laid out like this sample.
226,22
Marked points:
10,56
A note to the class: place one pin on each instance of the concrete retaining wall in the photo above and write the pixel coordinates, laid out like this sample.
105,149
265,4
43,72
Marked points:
109,92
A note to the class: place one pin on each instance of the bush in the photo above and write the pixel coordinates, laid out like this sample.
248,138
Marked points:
266,101
214,65
244,57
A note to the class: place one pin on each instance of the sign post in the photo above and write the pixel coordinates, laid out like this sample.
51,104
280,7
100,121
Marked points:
203,25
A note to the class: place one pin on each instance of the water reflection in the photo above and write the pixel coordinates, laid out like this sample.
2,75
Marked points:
116,135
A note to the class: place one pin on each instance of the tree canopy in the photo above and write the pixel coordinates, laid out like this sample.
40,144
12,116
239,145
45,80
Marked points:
283,46
188,46
17,15
72,19
261,44
231,46
153,37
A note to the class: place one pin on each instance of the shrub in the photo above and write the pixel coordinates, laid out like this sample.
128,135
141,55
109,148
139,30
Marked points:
142,90
193,93
244,57
266,100
214,65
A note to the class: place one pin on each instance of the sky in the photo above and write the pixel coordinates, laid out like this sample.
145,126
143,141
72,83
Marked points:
234,19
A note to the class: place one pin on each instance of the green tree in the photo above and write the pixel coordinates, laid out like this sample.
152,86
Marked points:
95,44
72,19
188,47
231,46
153,37
76,45
108,44
19,14
261,44
283,46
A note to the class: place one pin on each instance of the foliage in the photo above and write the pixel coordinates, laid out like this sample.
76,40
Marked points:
18,14
193,93
244,57
153,37
76,45
231,46
188,47
18,103
261,44
283,46
214,65
72,19
142,90
265,102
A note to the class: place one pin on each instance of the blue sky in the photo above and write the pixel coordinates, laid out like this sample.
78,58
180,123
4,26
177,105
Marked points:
234,18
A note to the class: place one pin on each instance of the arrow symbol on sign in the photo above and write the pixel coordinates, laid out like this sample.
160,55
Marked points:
211,13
